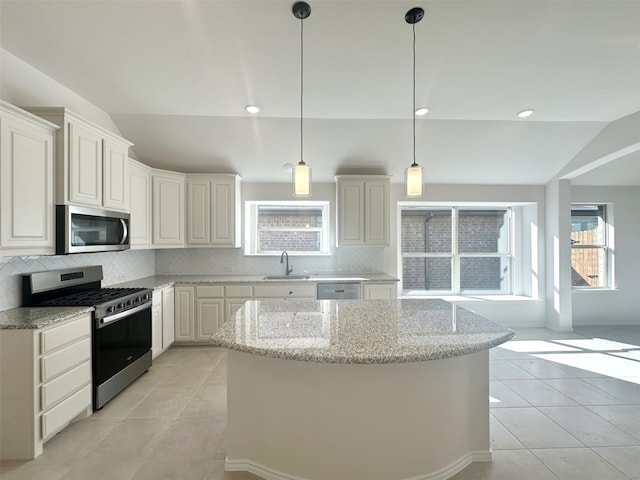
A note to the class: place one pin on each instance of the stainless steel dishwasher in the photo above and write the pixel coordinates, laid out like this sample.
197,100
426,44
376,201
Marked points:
339,291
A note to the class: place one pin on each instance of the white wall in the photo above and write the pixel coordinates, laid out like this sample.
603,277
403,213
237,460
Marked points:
558,258
208,261
618,305
24,86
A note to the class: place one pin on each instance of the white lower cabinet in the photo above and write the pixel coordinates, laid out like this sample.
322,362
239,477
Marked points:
185,310
48,372
235,297
162,320
200,312
156,324
380,291
168,317
209,311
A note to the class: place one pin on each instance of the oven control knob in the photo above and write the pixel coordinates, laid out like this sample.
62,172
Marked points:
111,309
121,305
129,303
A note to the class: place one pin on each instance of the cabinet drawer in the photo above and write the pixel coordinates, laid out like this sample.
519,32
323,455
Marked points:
64,334
64,359
55,390
283,291
62,414
215,291
238,291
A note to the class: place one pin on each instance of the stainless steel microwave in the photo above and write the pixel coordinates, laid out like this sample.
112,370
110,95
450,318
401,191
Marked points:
85,229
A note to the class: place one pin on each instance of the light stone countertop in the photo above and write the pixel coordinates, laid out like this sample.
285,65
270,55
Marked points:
38,317
359,331
161,281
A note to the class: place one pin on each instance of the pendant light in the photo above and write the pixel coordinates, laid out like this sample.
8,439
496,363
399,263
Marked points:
413,174
301,171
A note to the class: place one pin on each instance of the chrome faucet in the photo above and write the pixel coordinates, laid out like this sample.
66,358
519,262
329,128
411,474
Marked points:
287,270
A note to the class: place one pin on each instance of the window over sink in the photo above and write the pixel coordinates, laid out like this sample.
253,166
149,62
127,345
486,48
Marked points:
299,227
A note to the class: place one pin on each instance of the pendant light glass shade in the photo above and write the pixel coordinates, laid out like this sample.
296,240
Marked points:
413,181
302,180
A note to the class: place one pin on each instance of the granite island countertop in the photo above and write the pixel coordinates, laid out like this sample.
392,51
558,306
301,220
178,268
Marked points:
359,331
161,281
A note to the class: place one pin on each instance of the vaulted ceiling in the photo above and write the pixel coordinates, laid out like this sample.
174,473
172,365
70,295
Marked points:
175,76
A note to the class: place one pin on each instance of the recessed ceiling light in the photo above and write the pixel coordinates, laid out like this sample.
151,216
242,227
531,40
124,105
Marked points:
422,111
252,108
525,113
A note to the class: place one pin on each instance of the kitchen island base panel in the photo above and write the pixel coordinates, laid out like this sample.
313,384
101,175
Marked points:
314,421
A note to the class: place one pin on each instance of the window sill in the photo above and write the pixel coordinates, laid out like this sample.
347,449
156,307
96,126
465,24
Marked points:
581,290
291,254
479,298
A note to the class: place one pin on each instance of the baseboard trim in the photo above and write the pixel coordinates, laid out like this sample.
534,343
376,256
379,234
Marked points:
622,323
245,465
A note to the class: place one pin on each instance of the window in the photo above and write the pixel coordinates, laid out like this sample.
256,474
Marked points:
590,246
300,228
456,249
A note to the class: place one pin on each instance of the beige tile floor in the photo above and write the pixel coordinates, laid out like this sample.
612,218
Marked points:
563,407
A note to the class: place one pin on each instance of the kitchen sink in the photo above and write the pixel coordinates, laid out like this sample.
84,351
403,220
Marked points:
286,277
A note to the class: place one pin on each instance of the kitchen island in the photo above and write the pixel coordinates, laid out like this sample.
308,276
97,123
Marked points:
357,389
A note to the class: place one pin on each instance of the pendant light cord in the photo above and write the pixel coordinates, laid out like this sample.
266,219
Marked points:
301,84
414,96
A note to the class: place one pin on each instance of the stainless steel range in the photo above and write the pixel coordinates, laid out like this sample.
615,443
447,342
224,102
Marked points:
121,330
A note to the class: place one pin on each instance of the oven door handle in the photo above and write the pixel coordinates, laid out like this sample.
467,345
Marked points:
126,313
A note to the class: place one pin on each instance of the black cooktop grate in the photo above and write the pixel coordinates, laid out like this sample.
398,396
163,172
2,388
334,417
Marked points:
91,298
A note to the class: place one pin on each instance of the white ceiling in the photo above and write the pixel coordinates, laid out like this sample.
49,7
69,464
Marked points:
175,77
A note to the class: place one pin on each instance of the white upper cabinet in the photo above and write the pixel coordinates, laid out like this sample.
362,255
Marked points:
91,162
168,209
213,210
115,173
198,211
26,183
140,197
84,165
363,210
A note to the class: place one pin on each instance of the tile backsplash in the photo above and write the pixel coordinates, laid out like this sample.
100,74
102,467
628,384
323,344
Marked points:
133,264
117,267
211,261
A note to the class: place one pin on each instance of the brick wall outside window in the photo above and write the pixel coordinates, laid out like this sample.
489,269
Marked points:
295,238
430,232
